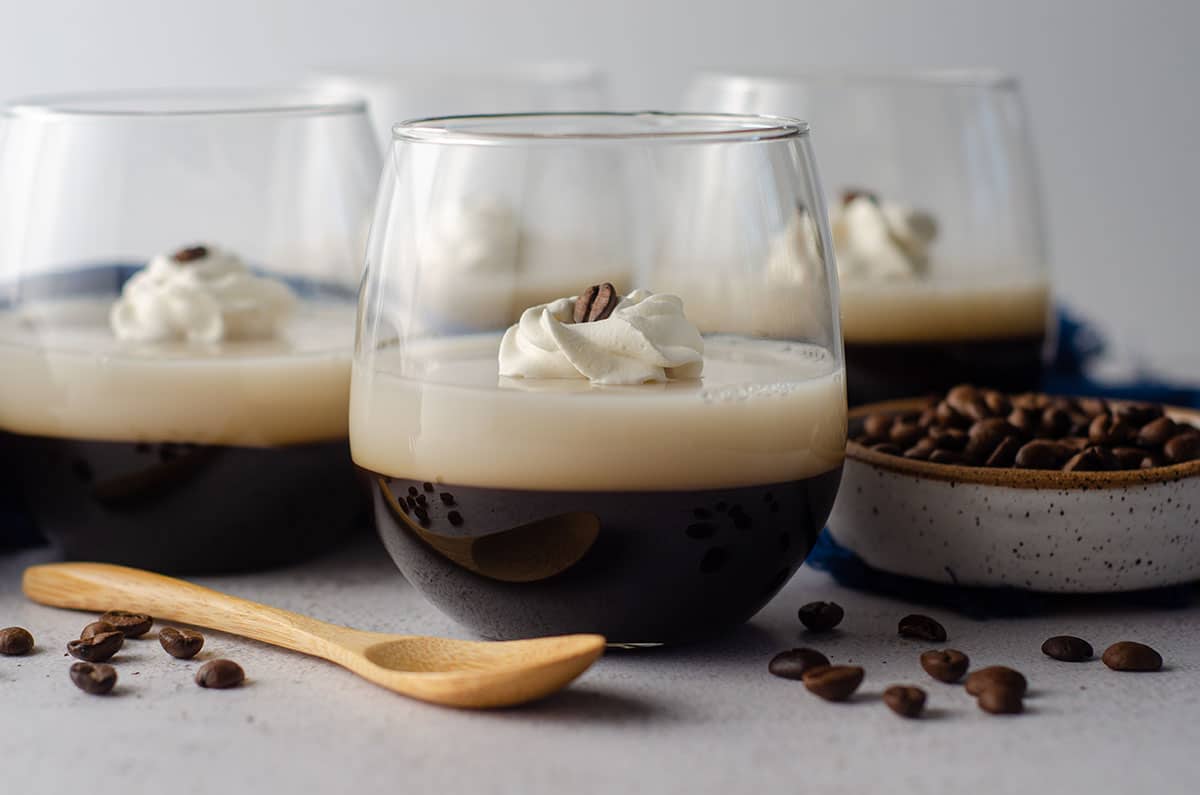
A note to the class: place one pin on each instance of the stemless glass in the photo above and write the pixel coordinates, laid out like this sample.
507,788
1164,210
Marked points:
654,471
396,93
178,275
944,277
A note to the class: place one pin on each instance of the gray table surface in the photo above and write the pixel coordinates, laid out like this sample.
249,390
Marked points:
703,718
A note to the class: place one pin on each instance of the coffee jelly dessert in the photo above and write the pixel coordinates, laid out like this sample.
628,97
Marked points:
185,415
600,467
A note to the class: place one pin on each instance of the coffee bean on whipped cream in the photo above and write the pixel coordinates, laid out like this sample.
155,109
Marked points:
793,663
190,254
1129,655
920,627
905,700
1067,648
821,616
596,303
133,625
833,682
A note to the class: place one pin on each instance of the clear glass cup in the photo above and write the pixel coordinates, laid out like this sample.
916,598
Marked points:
178,278
937,223
397,93
654,472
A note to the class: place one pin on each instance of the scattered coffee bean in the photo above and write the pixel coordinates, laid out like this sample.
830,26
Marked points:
133,625
996,677
833,682
97,648
947,665
182,644
447,498
220,674
792,664
921,627
1067,648
15,641
821,616
1182,447
94,678
1128,655
427,486
97,628
455,518
905,700
1001,701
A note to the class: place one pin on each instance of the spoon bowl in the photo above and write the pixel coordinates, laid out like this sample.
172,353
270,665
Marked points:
457,673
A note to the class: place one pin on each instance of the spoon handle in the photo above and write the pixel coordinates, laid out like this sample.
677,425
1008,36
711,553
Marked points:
100,587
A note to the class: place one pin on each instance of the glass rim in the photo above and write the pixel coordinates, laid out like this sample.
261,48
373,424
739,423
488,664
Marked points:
721,127
953,77
550,72
187,102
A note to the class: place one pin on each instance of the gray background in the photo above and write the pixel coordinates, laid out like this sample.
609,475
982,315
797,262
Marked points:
1112,88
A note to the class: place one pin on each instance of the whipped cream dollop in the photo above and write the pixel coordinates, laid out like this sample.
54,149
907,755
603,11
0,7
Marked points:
877,239
471,236
794,252
199,294
647,338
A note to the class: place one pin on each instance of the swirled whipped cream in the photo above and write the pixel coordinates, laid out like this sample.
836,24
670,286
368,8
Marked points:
477,236
199,294
646,338
879,239
794,252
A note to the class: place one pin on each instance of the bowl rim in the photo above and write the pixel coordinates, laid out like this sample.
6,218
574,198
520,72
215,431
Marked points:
1015,478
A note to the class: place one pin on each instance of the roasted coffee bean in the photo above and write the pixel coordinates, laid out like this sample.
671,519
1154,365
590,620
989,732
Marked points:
15,641
950,439
1005,453
1109,430
1032,401
1157,432
1077,443
996,677
1080,423
986,435
97,648
97,628
998,403
220,674
596,303
94,678
1093,459
133,625
833,682
190,254
182,644
947,457
1054,422
1093,406
905,700
1041,454
887,448
792,664
947,665
921,450
1025,420
947,417
1128,457
1067,648
821,616
967,401
1128,655
1151,460
1138,414
878,426
927,418
905,434
1182,447
921,627
1001,701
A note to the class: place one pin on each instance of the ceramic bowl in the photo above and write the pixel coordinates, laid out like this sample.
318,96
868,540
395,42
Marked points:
1051,531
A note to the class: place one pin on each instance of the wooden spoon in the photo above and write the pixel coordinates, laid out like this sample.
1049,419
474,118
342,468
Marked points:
455,673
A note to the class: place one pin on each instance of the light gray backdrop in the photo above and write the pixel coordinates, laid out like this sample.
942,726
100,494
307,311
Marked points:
1113,87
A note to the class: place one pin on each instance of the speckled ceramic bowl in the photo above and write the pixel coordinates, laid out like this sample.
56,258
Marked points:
1067,532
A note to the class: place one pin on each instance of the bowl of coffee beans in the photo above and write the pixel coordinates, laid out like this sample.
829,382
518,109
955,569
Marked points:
1031,491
